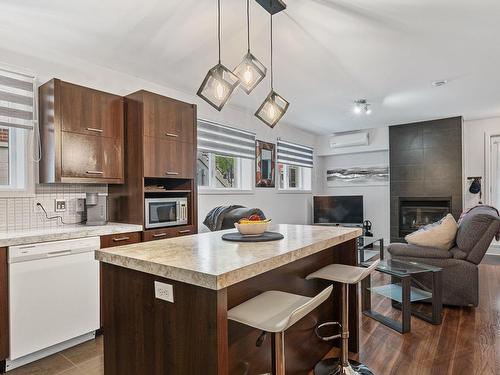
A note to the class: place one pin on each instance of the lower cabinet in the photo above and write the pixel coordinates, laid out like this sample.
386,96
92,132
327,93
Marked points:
4,305
160,234
121,239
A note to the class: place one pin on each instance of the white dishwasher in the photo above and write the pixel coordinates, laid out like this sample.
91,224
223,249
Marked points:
53,297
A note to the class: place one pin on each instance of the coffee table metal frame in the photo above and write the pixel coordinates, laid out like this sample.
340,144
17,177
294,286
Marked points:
363,244
402,293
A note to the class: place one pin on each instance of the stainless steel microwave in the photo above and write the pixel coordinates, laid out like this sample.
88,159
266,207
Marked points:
166,212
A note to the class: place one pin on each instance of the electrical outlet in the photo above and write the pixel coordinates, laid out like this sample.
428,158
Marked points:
80,204
164,291
60,205
36,208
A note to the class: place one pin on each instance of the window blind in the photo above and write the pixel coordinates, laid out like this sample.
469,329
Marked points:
224,140
294,154
17,100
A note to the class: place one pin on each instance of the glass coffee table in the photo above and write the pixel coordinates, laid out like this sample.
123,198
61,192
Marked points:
403,291
365,248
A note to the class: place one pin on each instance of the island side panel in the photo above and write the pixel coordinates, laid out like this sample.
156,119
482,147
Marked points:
303,349
146,335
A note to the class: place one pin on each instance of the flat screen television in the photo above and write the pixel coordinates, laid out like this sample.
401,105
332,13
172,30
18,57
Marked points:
338,209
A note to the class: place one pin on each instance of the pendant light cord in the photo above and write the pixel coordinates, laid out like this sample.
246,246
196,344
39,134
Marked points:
218,27
248,25
271,51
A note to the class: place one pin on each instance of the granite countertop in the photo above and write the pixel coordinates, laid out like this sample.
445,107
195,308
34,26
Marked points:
208,261
63,233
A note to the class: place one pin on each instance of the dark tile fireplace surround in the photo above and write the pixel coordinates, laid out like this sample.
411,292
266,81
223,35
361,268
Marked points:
426,173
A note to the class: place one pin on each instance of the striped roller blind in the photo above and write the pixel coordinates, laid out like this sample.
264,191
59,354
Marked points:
224,140
17,100
294,154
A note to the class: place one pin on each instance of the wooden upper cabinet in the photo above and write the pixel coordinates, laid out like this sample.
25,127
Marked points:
168,158
98,161
82,134
168,118
88,111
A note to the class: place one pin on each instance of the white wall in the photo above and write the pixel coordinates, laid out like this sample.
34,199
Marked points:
282,208
376,201
476,137
475,134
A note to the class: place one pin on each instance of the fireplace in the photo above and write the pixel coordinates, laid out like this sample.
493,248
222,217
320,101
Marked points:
415,212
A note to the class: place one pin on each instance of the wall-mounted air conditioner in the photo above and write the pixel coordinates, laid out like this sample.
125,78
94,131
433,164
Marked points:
340,140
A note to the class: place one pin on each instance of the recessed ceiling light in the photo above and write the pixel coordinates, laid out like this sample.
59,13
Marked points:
440,83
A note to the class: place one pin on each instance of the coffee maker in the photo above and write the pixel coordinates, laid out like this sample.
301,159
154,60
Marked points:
95,209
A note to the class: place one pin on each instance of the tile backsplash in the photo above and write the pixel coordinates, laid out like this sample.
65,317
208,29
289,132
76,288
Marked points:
22,214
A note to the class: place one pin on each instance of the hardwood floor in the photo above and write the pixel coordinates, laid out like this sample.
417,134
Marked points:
467,343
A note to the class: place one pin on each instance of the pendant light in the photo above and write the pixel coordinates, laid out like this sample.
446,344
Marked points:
275,106
250,71
220,82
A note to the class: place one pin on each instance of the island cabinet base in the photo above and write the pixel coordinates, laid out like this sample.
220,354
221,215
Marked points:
146,335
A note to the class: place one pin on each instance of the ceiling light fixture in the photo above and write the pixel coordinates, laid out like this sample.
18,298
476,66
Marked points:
439,83
361,105
274,106
250,71
220,82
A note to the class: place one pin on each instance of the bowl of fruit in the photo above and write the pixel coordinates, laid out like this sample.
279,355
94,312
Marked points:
252,226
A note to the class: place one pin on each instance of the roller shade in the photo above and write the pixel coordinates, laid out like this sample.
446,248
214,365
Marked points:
224,140
17,100
295,154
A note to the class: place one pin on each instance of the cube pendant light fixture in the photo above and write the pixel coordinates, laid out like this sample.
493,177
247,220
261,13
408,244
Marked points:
274,106
220,82
250,71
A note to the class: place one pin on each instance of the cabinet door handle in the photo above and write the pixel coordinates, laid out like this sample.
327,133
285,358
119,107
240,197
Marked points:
95,172
156,235
119,239
94,130
172,173
184,231
171,135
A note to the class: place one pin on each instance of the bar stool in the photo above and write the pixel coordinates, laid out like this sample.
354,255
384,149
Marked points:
275,312
344,275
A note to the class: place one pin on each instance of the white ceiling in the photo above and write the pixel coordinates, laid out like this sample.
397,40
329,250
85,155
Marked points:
327,52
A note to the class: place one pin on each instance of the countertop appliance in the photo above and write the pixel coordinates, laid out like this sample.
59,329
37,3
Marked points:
95,209
54,297
165,212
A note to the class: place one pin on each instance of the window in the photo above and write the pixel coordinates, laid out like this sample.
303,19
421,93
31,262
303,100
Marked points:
16,126
293,177
295,164
223,172
225,157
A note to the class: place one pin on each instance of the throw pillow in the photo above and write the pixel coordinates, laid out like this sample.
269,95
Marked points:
440,235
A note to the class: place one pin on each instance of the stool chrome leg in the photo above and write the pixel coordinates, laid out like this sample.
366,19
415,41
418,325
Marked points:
342,365
278,345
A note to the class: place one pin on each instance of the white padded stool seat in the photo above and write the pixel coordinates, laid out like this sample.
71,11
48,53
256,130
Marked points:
275,311
343,273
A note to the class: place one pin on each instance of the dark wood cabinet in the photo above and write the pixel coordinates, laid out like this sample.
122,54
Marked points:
162,233
4,306
160,142
168,118
82,134
112,240
168,158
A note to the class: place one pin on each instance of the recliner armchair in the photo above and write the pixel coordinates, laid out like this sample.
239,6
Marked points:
460,264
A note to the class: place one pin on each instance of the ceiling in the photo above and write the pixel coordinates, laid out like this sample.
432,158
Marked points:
328,53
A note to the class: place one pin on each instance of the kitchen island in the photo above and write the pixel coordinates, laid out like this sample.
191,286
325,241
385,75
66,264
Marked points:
144,334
